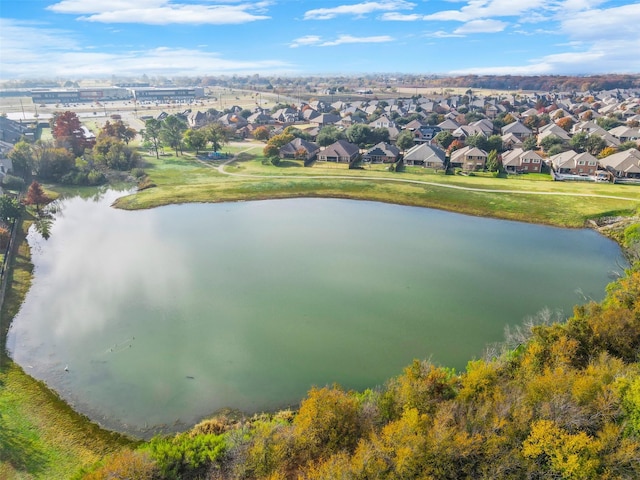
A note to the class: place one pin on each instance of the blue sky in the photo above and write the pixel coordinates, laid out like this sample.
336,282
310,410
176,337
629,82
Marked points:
98,38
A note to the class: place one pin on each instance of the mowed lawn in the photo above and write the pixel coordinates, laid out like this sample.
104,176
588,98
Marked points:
530,198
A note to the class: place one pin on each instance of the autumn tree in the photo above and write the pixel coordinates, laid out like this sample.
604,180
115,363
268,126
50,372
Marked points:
67,132
565,123
261,133
36,196
118,129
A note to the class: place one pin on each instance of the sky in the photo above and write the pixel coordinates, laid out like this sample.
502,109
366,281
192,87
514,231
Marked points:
74,39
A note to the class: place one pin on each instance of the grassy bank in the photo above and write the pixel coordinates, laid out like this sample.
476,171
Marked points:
40,435
536,200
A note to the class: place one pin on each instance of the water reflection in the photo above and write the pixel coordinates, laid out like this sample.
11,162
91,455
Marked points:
169,314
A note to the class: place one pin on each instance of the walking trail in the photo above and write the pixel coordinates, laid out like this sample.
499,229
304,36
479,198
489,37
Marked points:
220,168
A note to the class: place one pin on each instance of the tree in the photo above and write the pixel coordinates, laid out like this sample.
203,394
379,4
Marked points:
478,140
565,123
9,209
550,141
621,148
579,141
21,157
444,139
607,151
380,134
36,196
595,144
405,140
67,132
493,163
530,143
120,130
51,163
261,133
218,135
359,134
195,139
328,135
171,132
151,133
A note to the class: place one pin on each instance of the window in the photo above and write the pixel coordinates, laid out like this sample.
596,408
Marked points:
536,160
592,164
581,162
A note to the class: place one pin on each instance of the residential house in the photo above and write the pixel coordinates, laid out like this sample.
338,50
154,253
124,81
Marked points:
465,131
340,152
425,133
625,134
299,149
448,125
12,131
574,163
625,164
469,158
200,119
553,129
382,153
518,129
520,161
485,125
428,156
260,118
325,119
510,141
382,122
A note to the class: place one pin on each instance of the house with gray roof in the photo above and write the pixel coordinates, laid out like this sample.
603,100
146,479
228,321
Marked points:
382,153
574,163
625,164
299,149
339,152
425,155
518,129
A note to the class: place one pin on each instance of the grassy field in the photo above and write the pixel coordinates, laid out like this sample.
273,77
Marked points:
534,198
41,437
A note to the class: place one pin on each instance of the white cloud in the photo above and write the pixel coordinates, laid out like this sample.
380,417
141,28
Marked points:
442,34
481,26
161,12
342,39
358,9
479,9
605,24
306,40
401,17
316,41
30,51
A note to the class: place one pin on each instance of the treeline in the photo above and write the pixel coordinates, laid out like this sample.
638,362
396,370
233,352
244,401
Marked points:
556,400
545,83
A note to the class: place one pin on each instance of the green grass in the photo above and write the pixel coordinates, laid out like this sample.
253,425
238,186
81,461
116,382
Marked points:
531,198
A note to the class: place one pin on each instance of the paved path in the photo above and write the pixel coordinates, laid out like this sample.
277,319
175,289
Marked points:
221,169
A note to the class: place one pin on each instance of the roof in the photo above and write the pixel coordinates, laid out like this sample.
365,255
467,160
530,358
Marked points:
383,149
424,152
341,148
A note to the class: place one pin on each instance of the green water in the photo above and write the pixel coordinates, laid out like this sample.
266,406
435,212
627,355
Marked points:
167,315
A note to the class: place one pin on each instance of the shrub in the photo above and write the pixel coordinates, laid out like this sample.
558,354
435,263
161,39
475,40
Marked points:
11,182
184,456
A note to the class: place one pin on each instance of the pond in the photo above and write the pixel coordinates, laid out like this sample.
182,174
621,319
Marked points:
153,319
